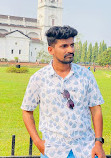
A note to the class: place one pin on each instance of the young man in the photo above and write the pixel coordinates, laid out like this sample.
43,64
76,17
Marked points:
67,95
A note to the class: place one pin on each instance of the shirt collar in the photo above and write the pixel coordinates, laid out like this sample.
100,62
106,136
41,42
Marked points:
52,71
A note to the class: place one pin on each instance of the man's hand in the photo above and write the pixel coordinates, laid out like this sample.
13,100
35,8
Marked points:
98,150
40,145
30,125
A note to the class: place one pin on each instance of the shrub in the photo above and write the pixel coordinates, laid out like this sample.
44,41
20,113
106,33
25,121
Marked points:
16,59
17,70
42,61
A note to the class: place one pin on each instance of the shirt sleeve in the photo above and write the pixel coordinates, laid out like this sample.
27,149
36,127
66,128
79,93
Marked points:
31,98
94,94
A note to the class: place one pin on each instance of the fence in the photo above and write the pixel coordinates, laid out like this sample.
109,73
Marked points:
30,150
13,150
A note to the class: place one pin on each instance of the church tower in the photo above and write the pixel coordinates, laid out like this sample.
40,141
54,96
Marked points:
49,14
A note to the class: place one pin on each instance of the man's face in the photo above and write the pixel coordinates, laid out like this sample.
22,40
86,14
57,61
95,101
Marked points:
63,50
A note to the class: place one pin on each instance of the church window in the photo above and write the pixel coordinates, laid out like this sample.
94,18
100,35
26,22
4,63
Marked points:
19,51
12,51
31,53
53,20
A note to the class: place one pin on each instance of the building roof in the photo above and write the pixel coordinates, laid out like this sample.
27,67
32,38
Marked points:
18,18
23,22
17,31
33,39
20,26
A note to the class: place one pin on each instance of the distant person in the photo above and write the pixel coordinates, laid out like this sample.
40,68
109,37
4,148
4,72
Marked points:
94,69
67,95
89,68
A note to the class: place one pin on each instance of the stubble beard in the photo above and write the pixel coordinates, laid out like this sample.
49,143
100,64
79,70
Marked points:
65,61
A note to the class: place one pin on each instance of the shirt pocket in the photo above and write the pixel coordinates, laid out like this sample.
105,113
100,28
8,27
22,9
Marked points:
79,92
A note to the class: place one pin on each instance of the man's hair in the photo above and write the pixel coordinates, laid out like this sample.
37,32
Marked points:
58,32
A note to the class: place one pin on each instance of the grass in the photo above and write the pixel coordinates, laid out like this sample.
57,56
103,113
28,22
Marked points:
103,78
12,89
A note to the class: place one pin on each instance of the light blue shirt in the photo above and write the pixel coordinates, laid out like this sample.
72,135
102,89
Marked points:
63,128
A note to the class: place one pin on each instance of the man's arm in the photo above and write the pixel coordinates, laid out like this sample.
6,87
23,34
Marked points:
30,125
97,119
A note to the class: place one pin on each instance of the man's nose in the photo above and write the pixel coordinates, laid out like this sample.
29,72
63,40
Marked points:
71,49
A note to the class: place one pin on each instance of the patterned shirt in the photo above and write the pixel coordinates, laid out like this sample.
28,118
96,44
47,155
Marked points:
64,128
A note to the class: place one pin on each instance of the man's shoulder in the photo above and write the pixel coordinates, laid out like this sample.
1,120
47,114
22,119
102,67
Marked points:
41,72
44,69
81,70
79,67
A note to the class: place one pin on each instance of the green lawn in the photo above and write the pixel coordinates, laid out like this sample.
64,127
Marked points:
12,89
103,78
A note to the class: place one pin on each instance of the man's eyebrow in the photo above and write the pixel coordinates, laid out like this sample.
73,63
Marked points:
63,44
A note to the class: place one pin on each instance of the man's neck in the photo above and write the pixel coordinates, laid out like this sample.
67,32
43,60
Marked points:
61,69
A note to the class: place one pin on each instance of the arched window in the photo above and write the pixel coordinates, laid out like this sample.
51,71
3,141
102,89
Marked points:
33,35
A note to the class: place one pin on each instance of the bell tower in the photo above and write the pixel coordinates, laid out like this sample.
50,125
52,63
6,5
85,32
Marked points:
49,14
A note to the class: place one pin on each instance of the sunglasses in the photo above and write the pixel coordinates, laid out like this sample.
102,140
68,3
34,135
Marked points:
66,95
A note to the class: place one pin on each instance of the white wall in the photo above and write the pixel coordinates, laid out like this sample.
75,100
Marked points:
2,48
35,47
23,47
17,42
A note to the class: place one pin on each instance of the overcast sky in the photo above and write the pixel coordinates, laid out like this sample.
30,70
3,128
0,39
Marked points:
92,18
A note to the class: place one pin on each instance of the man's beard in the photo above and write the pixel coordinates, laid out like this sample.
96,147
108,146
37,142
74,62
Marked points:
67,62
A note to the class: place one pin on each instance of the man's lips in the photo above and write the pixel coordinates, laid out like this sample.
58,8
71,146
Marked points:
70,55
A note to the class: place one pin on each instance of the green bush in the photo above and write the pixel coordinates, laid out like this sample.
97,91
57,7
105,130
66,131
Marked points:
16,59
17,70
42,61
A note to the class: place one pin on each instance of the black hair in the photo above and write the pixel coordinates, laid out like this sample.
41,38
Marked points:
58,32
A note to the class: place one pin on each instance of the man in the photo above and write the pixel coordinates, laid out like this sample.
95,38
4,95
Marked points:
67,95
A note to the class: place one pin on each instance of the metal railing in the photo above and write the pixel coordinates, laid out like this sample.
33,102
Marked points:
30,151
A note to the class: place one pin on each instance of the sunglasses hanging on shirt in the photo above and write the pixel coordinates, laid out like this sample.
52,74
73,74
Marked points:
66,95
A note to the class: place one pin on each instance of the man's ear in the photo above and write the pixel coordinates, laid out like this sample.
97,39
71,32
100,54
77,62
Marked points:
50,50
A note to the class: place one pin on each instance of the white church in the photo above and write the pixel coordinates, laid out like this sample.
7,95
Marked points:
23,37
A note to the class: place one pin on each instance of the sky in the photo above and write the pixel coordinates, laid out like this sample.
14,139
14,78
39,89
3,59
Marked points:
92,18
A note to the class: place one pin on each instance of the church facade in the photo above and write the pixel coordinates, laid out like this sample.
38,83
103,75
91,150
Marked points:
24,37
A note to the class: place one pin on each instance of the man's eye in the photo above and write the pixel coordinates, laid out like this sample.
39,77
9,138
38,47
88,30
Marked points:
64,46
72,45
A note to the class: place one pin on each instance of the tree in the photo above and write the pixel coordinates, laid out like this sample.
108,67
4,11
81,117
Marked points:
105,58
102,47
84,52
95,53
78,51
89,53
43,56
16,59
